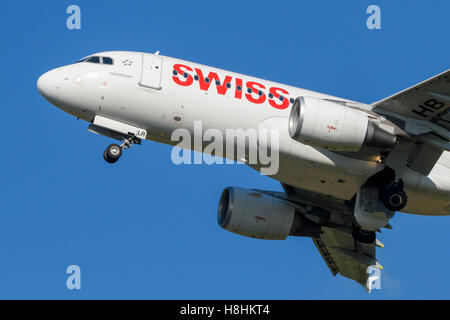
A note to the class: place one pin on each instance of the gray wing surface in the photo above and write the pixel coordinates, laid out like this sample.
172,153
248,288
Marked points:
345,256
340,251
428,100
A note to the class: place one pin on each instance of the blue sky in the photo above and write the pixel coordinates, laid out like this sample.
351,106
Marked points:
146,228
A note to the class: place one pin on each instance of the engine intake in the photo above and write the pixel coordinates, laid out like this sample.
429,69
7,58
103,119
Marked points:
333,126
258,215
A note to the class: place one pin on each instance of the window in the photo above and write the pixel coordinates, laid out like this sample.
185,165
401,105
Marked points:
239,88
82,60
270,95
207,80
249,90
94,59
228,85
260,93
291,100
196,77
185,75
175,72
217,83
107,60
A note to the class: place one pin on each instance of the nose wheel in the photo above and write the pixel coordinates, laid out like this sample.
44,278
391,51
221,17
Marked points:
113,152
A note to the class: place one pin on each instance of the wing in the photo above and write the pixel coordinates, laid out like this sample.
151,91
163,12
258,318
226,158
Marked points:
347,257
341,252
422,111
428,100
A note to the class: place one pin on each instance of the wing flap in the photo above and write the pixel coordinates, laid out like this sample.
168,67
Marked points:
341,253
345,256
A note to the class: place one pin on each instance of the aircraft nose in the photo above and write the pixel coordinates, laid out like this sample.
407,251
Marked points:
48,85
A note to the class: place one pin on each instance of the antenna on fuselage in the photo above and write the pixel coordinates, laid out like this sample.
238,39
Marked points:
157,53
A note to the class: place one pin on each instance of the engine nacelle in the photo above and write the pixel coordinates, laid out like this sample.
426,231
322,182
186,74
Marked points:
254,214
333,126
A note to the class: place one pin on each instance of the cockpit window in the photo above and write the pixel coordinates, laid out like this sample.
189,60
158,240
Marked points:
93,59
97,59
107,60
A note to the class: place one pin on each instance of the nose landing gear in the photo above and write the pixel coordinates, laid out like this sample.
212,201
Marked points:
113,152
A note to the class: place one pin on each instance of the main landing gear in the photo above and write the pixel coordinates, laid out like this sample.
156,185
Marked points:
393,196
376,203
113,152
363,235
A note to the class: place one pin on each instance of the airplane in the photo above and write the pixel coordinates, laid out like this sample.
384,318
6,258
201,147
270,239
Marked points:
345,167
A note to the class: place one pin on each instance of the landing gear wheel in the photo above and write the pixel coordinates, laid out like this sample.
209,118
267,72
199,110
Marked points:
393,196
363,235
112,153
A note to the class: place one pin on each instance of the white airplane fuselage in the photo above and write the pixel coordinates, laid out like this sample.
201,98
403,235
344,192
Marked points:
150,91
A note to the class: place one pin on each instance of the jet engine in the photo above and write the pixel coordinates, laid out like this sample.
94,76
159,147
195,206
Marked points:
254,214
333,126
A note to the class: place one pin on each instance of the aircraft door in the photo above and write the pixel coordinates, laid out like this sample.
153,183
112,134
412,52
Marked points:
151,71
